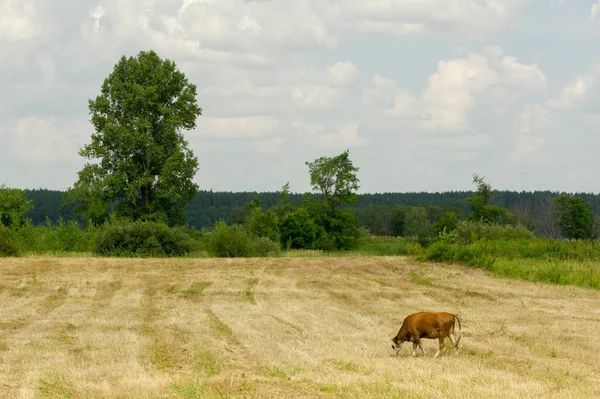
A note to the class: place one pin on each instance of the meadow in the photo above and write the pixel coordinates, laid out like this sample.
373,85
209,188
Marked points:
285,327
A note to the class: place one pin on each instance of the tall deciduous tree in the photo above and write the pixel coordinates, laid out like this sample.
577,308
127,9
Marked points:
145,168
335,179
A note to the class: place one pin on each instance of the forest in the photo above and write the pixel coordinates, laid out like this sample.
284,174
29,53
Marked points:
381,213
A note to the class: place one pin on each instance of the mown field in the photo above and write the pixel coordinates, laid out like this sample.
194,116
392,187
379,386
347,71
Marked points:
285,328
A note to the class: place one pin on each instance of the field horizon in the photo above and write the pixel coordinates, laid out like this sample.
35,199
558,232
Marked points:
285,327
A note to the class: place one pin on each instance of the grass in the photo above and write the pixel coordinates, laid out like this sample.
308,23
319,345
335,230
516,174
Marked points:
539,259
285,327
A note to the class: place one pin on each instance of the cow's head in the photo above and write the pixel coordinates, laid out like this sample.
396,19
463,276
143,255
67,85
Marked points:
396,345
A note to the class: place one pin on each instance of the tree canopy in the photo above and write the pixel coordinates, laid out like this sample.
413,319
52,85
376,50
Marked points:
480,202
335,179
575,217
145,169
14,205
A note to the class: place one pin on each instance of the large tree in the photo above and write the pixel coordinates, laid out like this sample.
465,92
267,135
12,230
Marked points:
334,178
145,168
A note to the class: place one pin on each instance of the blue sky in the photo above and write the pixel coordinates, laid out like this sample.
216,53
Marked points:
423,93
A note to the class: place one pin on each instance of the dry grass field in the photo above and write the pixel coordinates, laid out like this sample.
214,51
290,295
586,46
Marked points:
285,328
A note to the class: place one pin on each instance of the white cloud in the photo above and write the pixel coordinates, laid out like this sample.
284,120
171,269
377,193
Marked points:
316,96
595,11
37,141
17,20
341,136
342,73
533,125
235,127
579,92
468,20
452,90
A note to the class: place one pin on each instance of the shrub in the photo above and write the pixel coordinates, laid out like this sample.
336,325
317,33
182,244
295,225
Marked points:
229,241
298,230
7,246
124,238
470,231
263,246
263,224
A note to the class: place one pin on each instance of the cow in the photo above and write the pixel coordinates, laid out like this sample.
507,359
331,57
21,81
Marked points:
427,325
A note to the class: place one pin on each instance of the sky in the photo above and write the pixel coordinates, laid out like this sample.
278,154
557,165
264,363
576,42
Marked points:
424,93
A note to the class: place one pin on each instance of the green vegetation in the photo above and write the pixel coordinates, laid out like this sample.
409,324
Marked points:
145,168
141,239
136,200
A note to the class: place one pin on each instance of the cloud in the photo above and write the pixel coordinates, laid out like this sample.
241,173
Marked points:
595,11
17,20
341,136
467,20
580,92
342,73
533,124
452,90
250,127
39,141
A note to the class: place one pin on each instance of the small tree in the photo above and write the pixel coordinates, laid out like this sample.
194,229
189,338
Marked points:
576,218
284,204
263,224
145,167
335,182
481,209
446,222
416,223
14,205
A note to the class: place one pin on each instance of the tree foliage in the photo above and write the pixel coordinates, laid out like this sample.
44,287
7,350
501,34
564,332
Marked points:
14,205
480,203
145,168
575,217
335,179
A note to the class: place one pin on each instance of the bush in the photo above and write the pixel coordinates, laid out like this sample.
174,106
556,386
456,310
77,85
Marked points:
229,241
7,246
263,246
263,224
298,230
141,239
469,231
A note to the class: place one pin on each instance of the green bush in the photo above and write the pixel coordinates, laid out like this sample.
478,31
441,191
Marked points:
229,241
263,246
8,247
141,239
470,231
263,224
298,230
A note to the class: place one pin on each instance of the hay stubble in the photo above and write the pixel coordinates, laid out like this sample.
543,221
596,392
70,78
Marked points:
287,327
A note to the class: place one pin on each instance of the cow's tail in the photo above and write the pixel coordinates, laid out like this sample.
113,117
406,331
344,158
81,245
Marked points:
459,336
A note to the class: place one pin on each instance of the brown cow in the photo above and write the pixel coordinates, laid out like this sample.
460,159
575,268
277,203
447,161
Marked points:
426,325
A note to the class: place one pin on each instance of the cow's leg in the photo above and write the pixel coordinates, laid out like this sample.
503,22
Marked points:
455,344
440,347
414,352
418,342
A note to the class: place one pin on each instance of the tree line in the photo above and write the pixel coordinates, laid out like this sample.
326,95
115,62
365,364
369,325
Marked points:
382,213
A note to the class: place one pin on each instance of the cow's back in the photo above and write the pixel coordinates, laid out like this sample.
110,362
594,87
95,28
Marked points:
425,322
